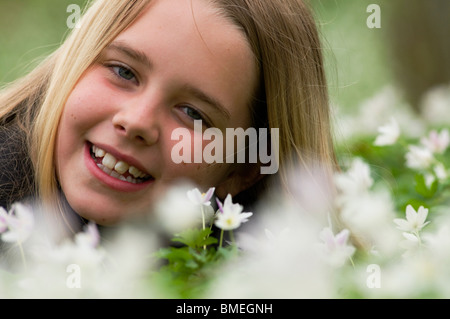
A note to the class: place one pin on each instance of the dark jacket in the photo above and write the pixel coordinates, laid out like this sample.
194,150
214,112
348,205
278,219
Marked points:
16,170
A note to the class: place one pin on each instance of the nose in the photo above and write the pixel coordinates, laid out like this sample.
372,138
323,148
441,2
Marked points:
138,123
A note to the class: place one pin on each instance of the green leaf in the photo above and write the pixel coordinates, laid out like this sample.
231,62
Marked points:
195,238
174,255
422,188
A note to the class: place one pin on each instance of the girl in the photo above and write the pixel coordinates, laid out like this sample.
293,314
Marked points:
90,128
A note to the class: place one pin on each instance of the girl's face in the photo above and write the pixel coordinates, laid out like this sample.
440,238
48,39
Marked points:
179,62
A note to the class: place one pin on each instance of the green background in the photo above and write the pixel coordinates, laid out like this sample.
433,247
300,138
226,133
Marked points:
359,60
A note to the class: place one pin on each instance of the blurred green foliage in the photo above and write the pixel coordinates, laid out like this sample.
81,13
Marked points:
355,55
410,51
359,60
30,30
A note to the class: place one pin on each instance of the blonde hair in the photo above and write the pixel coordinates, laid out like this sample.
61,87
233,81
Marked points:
294,93
285,42
38,99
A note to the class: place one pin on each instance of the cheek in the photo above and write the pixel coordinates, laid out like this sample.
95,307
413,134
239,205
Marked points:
83,107
90,100
185,158
204,175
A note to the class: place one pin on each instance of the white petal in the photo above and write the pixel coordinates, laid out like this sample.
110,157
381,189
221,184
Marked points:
228,201
422,214
342,237
411,237
245,216
410,213
195,196
402,224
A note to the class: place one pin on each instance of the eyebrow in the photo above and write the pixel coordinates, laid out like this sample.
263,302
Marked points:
137,55
142,58
200,95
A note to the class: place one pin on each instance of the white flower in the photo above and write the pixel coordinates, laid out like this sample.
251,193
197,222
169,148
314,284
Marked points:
355,180
20,224
418,157
3,220
435,104
280,263
358,174
440,171
335,248
198,198
414,221
438,242
176,212
388,134
230,216
369,217
90,237
437,142
412,242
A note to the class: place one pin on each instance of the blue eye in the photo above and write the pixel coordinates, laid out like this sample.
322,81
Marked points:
192,113
124,72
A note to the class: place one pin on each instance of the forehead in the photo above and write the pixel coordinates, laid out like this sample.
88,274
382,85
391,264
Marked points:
190,42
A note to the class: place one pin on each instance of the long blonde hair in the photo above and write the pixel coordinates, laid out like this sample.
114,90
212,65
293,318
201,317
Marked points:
37,100
294,93
285,42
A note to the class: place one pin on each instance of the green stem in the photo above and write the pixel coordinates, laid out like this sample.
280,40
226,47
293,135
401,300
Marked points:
204,224
221,238
232,237
352,262
203,218
418,237
22,254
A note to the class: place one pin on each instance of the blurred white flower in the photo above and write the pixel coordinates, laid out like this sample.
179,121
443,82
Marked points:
429,180
437,142
50,268
440,171
356,179
388,134
438,242
336,249
200,199
275,239
435,104
369,216
282,262
414,221
230,215
176,212
418,157
90,237
410,244
312,191
3,220
373,112
19,222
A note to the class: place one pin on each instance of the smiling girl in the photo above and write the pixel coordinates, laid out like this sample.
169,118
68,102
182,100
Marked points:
90,128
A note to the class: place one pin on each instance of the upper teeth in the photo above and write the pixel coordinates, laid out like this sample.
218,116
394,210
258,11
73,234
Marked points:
112,163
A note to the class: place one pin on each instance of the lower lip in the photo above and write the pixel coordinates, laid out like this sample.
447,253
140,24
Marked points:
111,182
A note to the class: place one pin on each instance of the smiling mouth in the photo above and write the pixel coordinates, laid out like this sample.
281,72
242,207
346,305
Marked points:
116,168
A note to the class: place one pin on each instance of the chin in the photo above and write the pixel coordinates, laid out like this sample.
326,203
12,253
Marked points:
104,215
